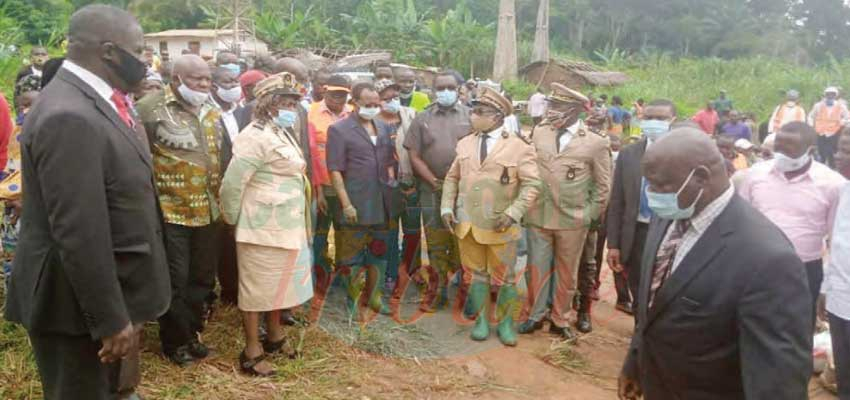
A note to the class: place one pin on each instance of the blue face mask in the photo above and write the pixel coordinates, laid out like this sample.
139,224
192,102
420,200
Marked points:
666,205
393,106
286,118
447,98
368,113
830,102
235,68
654,129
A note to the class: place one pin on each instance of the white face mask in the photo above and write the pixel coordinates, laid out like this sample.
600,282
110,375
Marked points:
193,97
231,95
784,163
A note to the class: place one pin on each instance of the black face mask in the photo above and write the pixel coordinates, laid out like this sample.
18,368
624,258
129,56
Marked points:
129,69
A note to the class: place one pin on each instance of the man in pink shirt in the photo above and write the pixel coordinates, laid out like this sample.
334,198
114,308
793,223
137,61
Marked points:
797,194
707,119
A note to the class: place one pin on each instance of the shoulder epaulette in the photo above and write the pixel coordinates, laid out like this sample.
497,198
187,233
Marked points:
527,140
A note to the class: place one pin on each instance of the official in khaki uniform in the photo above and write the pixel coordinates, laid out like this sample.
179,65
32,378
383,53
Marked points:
488,189
575,167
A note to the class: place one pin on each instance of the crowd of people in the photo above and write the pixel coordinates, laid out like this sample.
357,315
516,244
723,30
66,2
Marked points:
136,185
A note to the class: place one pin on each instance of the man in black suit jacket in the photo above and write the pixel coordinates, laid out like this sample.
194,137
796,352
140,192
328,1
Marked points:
724,307
626,223
90,263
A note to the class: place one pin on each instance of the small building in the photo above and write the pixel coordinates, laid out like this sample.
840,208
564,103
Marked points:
574,74
203,42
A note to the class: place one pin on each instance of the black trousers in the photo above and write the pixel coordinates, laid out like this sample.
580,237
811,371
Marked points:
228,272
632,264
70,368
827,147
192,260
839,330
814,271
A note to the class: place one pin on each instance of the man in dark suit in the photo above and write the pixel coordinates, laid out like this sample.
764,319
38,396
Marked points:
724,310
628,215
90,264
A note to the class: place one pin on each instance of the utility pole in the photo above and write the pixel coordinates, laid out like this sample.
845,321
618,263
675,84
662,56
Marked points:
237,17
541,34
505,59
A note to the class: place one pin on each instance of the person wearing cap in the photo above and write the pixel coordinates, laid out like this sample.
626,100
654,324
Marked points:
431,142
789,111
265,194
488,189
575,168
745,152
245,114
184,124
828,116
360,152
334,107
403,196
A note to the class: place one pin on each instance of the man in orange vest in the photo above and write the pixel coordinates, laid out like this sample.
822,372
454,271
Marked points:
790,111
828,116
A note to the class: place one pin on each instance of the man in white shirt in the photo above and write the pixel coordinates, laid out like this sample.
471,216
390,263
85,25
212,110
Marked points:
836,291
537,106
790,111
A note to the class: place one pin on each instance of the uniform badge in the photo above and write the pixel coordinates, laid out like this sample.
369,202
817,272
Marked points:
505,179
571,173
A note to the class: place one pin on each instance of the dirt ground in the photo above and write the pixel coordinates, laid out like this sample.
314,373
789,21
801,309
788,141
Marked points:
490,371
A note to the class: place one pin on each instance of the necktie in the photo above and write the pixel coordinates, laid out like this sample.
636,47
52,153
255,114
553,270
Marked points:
120,100
482,155
666,256
561,133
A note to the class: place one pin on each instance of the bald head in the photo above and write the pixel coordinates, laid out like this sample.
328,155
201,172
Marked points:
294,67
105,40
94,24
686,161
186,63
192,71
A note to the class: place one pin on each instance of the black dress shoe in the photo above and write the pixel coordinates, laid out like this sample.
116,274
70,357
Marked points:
181,356
583,323
529,326
198,350
625,307
565,333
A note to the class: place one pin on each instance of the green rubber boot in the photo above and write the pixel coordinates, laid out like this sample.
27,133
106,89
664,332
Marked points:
376,298
353,285
479,295
507,304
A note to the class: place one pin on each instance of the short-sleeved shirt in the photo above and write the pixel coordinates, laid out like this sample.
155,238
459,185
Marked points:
186,158
434,134
363,165
617,114
738,130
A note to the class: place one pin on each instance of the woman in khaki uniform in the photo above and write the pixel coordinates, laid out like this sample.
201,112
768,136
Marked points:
266,195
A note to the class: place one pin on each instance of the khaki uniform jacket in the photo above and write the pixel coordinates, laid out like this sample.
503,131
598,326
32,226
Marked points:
507,182
576,181
264,191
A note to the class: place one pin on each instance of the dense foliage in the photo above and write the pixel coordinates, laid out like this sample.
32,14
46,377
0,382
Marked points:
683,49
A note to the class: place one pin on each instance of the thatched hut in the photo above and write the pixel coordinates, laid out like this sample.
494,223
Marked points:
574,74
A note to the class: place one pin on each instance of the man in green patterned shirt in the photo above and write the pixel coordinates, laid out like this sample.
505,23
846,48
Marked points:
185,131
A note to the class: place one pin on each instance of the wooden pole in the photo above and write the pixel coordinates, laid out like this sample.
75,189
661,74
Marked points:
505,59
541,34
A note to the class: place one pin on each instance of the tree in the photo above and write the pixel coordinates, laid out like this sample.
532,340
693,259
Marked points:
505,59
541,33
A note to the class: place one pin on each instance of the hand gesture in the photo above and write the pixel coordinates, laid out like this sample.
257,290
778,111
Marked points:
614,260
503,222
628,388
449,220
117,346
350,214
